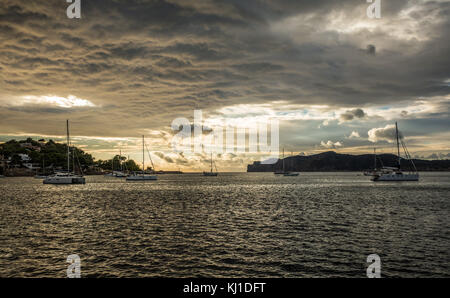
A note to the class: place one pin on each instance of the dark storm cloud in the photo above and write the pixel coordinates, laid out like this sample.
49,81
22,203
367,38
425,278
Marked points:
179,160
353,114
153,61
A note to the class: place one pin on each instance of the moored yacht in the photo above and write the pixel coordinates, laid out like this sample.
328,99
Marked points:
66,177
211,173
117,173
395,173
375,170
121,173
43,175
284,172
142,176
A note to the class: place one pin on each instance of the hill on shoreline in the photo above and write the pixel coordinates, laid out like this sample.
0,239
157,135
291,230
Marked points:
54,156
334,162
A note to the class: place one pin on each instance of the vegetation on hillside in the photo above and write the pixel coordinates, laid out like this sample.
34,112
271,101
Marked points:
55,155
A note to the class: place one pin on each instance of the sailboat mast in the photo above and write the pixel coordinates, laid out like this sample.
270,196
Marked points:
73,160
398,144
375,158
68,149
143,157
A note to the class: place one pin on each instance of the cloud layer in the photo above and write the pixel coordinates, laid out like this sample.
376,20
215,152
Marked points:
127,68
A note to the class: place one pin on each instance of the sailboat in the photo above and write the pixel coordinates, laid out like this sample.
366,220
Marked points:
289,174
395,173
142,176
112,169
41,176
278,172
66,177
284,172
120,174
375,169
211,172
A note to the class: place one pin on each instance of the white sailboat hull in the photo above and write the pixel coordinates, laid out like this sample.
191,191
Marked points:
65,180
120,175
395,173
396,177
142,178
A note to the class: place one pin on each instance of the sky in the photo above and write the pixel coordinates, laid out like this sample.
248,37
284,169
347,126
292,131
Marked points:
332,77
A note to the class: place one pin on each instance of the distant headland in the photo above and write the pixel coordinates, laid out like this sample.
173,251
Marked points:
334,162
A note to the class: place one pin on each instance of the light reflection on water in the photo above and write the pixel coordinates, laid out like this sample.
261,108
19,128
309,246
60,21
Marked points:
233,225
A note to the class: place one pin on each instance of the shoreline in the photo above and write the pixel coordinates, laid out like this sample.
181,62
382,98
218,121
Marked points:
359,173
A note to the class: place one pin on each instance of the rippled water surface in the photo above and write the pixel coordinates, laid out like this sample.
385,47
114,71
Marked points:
233,225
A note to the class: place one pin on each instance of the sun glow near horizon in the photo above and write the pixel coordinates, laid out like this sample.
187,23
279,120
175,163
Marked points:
70,101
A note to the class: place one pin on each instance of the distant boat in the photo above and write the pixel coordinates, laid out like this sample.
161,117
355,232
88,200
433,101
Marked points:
66,177
142,176
395,173
43,176
375,169
169,172
284,172
121,173
114,173
211,173
117,174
